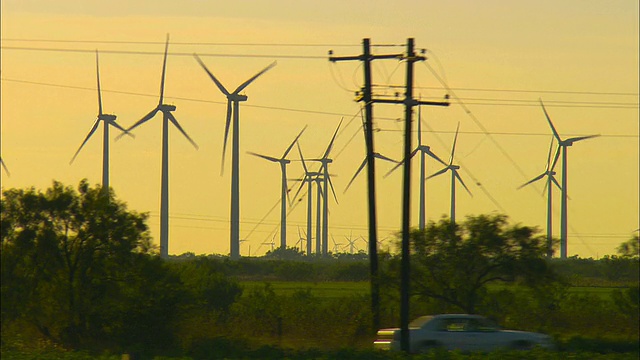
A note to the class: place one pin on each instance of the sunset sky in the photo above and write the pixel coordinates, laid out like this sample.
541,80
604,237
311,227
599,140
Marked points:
494,58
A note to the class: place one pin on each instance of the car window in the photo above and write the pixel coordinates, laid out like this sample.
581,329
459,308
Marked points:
419,322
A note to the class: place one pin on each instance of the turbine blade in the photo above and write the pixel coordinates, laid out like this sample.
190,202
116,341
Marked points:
555,133
532,180
455,173
453,148
177,124
332,189
382,157
286,185
286,152
117,126
555,157
246,83
218,83
553,179
364,162
270,158
99,93
549,156
579,138
428,151
146,118
5,167
226,135
400,163
326,153
304,180
439,172
164,70
93,129
419,125
306,171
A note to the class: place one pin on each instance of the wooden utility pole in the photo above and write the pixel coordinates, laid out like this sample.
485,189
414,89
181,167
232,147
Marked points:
409,102
410,57
366,97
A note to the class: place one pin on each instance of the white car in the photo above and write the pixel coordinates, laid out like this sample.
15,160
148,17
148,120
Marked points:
460,332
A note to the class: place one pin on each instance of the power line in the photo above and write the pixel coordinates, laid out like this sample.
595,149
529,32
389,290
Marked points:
130,52
178,43
306,111
519,90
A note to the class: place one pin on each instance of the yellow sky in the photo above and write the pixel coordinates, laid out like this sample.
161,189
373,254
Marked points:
580,57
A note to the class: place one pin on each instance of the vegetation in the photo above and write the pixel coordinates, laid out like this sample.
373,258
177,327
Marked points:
80,280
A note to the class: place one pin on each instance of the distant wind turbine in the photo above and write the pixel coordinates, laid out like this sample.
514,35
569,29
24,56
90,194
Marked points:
167,116
562,146
108,120
309,178
424,150
551,180
326,180
454,175
233,106
283,161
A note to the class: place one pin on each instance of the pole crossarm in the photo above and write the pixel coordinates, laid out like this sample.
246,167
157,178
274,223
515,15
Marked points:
411,102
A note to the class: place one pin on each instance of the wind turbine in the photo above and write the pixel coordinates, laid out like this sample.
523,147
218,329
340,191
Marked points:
424,150
167,116
301,239
309,178
454,175
336,245
326,179
107,120
562,146
551,180
233,106
285,190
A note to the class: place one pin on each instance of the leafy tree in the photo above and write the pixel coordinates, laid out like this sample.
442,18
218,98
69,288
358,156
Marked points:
77,265
454,263
630,248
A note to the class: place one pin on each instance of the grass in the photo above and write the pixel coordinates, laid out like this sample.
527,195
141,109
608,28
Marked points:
337,289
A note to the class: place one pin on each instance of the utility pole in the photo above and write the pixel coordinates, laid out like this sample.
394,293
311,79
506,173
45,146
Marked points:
366,97
409,102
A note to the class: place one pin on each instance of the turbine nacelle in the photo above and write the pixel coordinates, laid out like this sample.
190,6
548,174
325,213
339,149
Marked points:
166,107
237,97
107,117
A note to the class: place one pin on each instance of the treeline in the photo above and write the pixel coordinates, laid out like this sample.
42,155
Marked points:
78,272
609,271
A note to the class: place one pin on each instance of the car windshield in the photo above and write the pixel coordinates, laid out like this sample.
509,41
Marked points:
417,323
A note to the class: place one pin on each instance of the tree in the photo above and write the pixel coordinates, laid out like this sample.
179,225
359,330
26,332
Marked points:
454,263
631,248
77,264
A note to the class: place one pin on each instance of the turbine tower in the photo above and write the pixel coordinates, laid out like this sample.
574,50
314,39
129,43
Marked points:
454,175
283,161
108,120
562,146
167,116
233,106
551,180
424,150
326,180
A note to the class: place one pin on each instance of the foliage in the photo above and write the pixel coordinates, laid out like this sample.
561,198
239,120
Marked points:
454,263
77,266
630,248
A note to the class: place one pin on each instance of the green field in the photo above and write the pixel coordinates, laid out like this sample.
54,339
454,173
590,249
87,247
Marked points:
337,289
